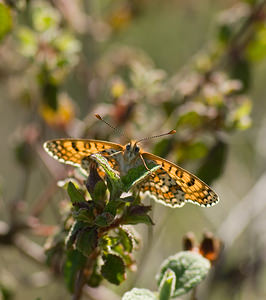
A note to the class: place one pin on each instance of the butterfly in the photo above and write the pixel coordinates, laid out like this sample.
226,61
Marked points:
170,184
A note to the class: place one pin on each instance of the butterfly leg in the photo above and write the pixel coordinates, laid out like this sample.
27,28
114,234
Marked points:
145,165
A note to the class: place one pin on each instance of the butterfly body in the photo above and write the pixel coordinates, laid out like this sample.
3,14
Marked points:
170,184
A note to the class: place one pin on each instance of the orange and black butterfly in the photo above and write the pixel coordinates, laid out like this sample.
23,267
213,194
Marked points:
170,184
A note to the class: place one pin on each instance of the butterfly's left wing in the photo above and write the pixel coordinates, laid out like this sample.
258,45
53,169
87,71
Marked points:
76,151
173,186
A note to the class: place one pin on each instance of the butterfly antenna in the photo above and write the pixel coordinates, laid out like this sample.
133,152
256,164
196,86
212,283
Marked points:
111,126
156,136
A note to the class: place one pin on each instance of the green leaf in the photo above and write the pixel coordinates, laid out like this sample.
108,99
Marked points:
167,285
190,118
137,214
84,215
113,179
195,150
136,175
112,206
5,20
74,194
113,269
190,269
73,232
87,240
126,240
212,167
104,219
99,192
74,263
139,294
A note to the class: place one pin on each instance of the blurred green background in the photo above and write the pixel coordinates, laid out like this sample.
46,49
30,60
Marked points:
104,36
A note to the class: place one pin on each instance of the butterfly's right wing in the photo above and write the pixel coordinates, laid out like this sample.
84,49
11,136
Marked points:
172,185
73,151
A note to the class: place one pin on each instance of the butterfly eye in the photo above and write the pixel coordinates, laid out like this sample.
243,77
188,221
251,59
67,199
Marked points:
128,147
136,149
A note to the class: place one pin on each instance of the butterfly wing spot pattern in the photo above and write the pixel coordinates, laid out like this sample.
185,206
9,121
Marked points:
170,185
173,186
71,151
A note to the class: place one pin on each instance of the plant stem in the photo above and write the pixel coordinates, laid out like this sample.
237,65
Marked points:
80,282
193,294
84,274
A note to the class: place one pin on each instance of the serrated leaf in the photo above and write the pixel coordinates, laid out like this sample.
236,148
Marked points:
139,294
212,167
74,263
5,20
136,175
113,269
74,194
190,269
126,240
167,285
87,240
127,257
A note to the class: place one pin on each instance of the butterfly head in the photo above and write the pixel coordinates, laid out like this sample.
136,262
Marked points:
131,151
